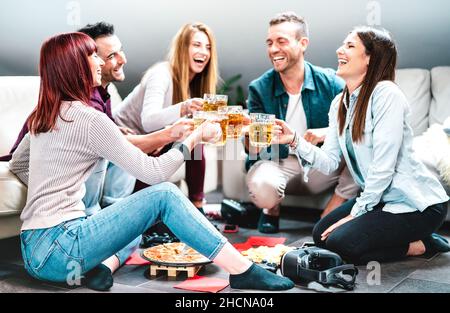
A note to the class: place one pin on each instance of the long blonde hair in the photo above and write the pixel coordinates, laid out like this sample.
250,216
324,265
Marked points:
204,82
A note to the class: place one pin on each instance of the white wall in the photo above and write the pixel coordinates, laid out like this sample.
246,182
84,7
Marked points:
421,29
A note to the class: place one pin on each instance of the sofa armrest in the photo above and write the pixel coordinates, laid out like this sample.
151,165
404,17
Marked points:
13,193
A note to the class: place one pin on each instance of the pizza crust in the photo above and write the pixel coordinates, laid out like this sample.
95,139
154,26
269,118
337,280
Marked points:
176,252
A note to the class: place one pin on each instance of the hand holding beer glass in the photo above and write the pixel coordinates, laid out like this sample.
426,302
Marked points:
283,133
261,129
189,106
216,134
181,129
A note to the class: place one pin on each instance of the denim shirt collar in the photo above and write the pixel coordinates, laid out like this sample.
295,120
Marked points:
353,98
308,81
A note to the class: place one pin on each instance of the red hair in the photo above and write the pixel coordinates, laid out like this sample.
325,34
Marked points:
65,74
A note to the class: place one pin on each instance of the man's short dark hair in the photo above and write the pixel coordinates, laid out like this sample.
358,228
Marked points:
100,29
292,17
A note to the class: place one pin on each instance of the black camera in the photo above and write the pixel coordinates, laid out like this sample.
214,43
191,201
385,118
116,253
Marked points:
309,264
237,213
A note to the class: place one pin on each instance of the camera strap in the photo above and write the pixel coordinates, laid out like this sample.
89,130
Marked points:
343,276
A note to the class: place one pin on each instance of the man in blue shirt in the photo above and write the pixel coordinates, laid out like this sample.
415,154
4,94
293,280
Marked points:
299,93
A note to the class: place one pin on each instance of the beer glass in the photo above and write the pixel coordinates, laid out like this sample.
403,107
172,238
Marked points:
222,119
221,101
212,102
209,102
199,117
215,117
235,120
261,129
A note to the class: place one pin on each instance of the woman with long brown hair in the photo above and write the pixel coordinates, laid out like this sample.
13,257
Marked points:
401,204
173,89
67,139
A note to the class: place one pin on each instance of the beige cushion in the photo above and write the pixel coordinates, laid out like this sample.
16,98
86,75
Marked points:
440,90
18,97
13,194
10,226
415,84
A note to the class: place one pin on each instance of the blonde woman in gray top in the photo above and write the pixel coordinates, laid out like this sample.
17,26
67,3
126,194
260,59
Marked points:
173,89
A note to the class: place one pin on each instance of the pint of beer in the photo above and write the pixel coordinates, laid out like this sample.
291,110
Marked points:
261,129
221,101
215,117
212,102
199,118
235,120
223,121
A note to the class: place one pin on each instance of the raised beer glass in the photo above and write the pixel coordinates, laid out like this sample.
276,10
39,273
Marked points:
261,129
235,120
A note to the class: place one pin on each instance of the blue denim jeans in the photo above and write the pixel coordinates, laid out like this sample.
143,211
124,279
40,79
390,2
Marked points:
107,184
50,254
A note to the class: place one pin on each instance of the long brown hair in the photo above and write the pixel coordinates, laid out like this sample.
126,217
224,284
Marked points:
381,48
204,82
65,76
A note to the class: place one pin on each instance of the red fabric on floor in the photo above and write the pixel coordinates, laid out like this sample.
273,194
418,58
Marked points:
265,241
136,259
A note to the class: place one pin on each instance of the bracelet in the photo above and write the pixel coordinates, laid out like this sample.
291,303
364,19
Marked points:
293,144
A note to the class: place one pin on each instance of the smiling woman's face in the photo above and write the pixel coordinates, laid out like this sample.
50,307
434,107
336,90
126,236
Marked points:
96,69
199,52
352,58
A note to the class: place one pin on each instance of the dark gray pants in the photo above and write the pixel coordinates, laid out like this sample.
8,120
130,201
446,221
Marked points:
377,235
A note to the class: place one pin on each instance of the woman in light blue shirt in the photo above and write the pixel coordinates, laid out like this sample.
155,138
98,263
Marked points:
402,203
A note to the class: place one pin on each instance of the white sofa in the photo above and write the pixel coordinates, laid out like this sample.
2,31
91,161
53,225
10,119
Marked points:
429,96
18,96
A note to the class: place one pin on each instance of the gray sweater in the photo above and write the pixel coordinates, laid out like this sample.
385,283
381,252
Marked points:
56,164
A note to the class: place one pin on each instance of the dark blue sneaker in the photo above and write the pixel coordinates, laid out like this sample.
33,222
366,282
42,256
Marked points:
268,224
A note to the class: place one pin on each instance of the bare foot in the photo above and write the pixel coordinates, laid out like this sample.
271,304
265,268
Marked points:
275,211
334,202
198,203
416,248
112,263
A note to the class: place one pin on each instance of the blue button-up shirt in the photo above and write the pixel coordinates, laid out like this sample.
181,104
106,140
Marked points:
388,169
267,94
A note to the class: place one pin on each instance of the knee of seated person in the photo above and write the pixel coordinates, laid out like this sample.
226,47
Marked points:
265,198
168,186
264,194
317,235
338,244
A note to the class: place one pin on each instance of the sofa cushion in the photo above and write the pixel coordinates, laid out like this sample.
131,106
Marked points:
415,84
440,90
13,194
18,97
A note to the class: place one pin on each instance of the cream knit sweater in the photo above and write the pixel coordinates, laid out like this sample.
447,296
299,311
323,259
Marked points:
56,164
